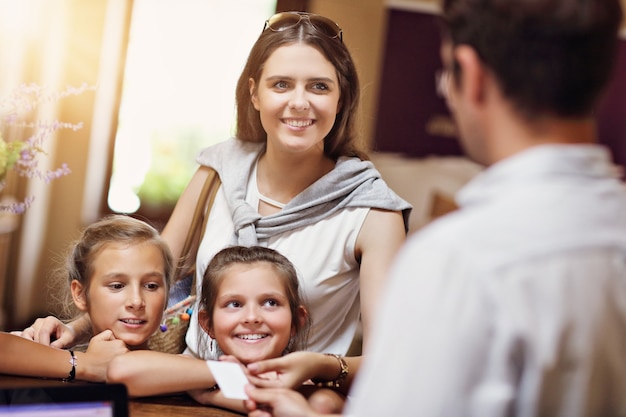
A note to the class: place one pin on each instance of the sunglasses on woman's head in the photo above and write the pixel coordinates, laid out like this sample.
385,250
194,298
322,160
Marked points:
286,20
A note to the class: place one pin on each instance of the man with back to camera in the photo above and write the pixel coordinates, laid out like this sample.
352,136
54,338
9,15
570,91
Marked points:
515,305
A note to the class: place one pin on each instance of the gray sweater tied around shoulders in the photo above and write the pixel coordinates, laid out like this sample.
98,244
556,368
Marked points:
353,183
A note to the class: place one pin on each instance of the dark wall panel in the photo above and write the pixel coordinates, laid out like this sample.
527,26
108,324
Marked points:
414,121
612,112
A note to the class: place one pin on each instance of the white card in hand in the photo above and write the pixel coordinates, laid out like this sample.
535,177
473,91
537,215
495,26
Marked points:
230,377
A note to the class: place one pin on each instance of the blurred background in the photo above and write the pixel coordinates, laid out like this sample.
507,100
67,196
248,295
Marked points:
164,74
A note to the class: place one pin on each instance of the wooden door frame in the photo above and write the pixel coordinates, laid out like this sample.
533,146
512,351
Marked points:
286,5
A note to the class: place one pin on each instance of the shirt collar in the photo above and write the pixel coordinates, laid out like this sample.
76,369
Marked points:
541,161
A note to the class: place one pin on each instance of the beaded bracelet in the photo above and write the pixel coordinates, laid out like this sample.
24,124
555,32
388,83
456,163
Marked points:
74,362
343,373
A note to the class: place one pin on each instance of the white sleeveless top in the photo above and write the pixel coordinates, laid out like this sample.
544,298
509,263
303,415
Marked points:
323,254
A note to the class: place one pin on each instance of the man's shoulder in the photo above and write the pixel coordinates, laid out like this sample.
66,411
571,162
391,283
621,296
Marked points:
513,230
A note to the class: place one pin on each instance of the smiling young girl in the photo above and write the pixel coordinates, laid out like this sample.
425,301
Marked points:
119,272
250,306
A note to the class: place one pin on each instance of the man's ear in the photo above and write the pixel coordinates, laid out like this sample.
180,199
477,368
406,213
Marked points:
78,295
205,323
253,97
473,73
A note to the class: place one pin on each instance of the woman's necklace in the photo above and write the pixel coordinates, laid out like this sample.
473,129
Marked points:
261,197
270,201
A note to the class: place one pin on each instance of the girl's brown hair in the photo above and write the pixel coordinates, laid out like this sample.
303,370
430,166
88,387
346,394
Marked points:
341,140
237,255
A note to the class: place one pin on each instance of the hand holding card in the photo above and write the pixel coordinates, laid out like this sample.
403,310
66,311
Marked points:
230,378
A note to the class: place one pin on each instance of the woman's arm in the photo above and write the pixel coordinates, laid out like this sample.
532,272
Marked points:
24,357
148,373
289,372
378,242
293,369
51,331
175,231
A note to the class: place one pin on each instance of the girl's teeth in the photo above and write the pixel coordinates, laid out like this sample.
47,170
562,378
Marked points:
251,336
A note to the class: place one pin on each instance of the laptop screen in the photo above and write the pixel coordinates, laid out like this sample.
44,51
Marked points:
71,400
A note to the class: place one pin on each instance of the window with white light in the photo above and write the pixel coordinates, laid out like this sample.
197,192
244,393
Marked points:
183,61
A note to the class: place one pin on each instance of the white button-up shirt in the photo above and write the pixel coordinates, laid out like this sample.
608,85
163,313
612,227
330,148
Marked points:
515,305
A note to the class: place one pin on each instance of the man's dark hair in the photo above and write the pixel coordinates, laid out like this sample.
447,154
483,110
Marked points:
549,56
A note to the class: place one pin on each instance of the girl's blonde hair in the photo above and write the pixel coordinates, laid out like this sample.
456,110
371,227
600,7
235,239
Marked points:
117,229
